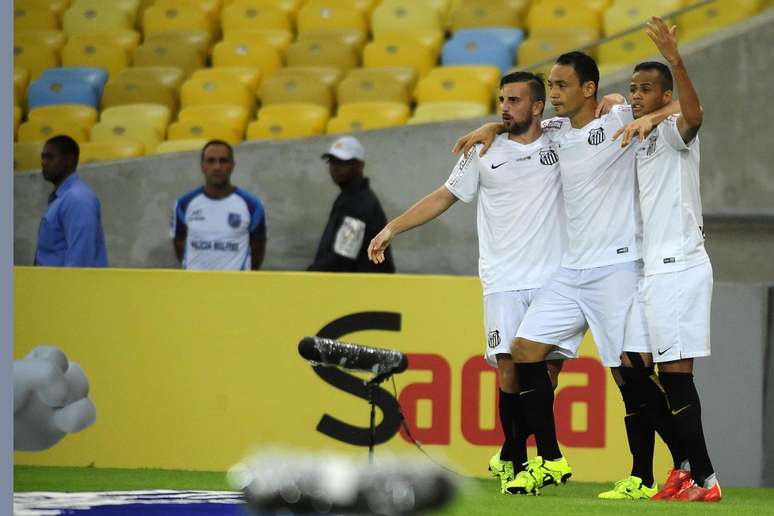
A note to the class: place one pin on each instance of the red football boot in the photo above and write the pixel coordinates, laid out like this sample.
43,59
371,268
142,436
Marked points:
673,484
693,493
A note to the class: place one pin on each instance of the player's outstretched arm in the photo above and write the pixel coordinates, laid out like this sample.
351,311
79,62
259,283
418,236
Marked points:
692,113
642,126
425,210
484,135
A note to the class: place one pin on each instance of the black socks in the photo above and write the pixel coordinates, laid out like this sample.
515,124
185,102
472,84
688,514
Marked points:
515,428
639,433
537,401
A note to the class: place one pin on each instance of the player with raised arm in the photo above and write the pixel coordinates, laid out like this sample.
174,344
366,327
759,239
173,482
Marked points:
520,224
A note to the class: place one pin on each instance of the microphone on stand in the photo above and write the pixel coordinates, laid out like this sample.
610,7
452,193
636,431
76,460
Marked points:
331,352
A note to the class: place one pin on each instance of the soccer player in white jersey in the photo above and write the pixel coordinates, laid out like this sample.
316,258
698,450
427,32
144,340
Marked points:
218,226
521,231
676,291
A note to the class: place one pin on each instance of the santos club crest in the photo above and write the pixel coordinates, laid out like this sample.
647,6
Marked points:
596,136
548,157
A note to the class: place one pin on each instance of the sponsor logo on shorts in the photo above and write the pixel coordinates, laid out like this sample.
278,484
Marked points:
597,136
669,260
622,250
493,340
548,157
664,351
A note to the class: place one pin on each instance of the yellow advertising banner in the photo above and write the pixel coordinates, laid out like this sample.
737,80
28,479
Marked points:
192,370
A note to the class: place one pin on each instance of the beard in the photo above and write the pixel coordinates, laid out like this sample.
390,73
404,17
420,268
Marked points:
519,128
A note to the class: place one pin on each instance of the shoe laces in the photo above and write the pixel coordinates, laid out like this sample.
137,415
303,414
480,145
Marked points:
627,484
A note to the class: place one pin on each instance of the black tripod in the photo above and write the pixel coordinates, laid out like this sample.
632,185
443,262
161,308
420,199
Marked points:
373,387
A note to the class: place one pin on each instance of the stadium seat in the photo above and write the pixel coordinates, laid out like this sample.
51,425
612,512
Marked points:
255,14
441,7
714,16
281,121
169,76
353,38
155,116
295,89
435,88
364,6
126,39
555,15
510,37
432,39
42,130
250,78
233,115
77,114
323,52
186,145
95,17
212,8
127,130
176,17
443,111
34,18
21,77
264,57
96,77
199,91
52,90
491,13
278,38
26,155
56,6
54,39
393,52
165,54
404,16
625,14
91,152
17,118
365,116
200,40
135,91
466,49
130,7
626,50
289,7
206,129
325,74
404,74
112,58
330,16
489,76
34,58
548,45
353,89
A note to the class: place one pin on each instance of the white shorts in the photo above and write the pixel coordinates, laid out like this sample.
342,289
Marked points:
673,308
574,300
503,313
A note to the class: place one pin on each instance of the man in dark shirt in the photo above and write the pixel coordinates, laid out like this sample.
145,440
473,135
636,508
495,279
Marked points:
356,216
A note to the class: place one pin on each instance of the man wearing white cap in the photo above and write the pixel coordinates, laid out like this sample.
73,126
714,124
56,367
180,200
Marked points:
356,216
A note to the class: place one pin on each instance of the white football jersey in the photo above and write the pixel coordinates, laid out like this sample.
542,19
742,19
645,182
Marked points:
218,231
598,179
668,176
520,217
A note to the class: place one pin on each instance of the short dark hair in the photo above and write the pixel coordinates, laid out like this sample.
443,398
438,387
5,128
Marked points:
65,145
584,65
537,86
663,71
217,142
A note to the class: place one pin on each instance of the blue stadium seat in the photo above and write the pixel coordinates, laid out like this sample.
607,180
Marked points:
64,90
512,37
97,77
477,49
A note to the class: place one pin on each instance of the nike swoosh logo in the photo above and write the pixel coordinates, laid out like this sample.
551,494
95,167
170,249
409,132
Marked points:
667,349
675,412
522,393
497,166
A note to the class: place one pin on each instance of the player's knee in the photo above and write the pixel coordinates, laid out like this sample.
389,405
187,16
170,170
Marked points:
508,380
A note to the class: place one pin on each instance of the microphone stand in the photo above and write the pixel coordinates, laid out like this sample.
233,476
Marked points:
373,385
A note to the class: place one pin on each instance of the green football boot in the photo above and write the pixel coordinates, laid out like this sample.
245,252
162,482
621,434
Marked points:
630,488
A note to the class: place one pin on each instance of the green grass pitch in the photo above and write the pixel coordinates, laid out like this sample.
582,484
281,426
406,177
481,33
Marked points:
478,497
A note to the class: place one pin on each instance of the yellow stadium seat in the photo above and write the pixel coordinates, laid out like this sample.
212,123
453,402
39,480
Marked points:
432,39
34,58
127,130
248,77
212,8
152,53
488,75
562,14
404,16
54,39
491,13
365,116
442,8
330,16
169,76
289,7
118,92
56,6
626,14
263,57
281,121
26,155
404,74
77,114
95,17
294,89
364,6
130,7
92,152
626,50
42,130
17,117
443,111
200,91
250,15
714,16
110,57
353,89
185,145
34,18
176,17
233,115
322,53
200,40
206,129
126,39
278,38
548,45
354,38
21,77
394,52
154,116
325,74
446,89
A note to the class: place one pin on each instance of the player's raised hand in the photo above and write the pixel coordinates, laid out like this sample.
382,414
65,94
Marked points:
640,128
379,244
607,103
664,38
484,135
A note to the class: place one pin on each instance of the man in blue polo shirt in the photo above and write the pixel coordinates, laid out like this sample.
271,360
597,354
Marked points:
70,233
